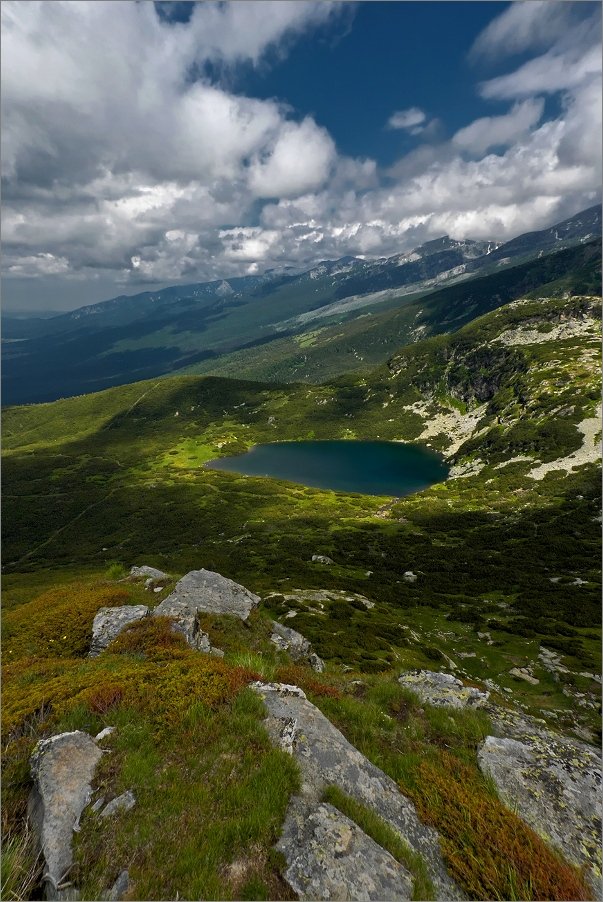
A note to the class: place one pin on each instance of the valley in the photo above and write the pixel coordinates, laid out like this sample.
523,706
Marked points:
489,578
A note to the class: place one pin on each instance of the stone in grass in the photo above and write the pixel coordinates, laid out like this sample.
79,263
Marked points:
322,559
109,622
409,577
62,769
442,689
522,674
147,573
296,645
326,758
205,592
119,888
124,802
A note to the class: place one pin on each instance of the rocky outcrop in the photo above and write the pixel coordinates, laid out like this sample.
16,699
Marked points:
109,622
325,757
62,769
352,865
553,783
442,689
298,647
206,592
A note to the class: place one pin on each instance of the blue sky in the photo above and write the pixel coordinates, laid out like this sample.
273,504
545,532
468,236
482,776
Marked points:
149,144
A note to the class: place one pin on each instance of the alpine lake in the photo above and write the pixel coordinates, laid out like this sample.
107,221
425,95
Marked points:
368,468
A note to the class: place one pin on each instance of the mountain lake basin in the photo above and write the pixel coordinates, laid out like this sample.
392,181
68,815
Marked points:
364,467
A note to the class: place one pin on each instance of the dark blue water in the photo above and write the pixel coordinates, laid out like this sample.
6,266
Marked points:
371,468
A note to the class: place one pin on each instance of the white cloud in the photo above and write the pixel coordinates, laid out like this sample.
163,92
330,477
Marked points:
412,120
492,131
523,26
119,166
299,161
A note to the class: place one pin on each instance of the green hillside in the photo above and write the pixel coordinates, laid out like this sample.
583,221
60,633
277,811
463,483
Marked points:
505,553
336,340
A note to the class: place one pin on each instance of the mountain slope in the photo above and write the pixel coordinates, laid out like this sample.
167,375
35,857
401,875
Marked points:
131,338
491,575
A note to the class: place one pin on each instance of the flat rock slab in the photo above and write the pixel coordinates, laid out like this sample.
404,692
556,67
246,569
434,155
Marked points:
330,857
296,645
62,769
554,784
442,689
109,622
325,757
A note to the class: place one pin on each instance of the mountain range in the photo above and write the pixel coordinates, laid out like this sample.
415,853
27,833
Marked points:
282,325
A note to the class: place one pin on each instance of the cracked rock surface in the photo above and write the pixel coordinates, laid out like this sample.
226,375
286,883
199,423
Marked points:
325,757
62,769
442,689
352,865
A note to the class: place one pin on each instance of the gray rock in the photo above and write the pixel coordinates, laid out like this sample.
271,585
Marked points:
62,769
104,733
322,559
109,622
553,783
147,572
124,802
330,857
442,689
325,757
522,674
298,647
409,577
119,888
202,591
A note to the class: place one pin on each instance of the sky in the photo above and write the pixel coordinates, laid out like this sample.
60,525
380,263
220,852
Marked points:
149,144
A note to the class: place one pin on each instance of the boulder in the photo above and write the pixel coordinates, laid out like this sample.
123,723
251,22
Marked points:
442,689
147,573
554,784
325,757
202,591
409,577
330,857
322,559
109,622
298,647
62,769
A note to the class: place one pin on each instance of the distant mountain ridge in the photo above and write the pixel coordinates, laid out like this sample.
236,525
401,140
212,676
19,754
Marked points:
128,338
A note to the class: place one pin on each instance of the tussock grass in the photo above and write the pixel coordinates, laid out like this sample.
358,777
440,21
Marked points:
21,866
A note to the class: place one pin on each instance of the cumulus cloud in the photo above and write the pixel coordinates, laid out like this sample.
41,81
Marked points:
124,162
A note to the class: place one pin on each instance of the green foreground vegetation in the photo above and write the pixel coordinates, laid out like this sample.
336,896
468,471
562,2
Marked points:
505,565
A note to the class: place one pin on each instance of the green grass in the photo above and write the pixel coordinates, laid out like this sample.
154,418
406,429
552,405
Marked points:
386,837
